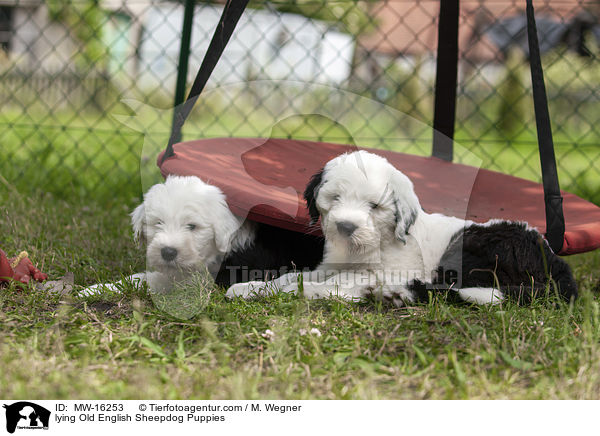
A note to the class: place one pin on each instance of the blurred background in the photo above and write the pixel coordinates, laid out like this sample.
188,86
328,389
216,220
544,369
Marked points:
87,85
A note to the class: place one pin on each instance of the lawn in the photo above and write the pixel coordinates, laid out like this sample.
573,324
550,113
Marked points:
67,184
125,346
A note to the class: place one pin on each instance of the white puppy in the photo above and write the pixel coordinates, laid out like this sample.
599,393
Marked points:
379,241
187,227
187,224
367,248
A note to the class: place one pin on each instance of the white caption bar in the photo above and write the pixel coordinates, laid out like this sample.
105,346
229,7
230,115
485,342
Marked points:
74,417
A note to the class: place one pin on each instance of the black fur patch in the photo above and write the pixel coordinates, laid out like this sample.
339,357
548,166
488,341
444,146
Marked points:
310,195
274,251
396,212
510,255
405,217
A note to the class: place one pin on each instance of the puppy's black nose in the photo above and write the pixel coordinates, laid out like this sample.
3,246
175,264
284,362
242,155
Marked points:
168,253
346,227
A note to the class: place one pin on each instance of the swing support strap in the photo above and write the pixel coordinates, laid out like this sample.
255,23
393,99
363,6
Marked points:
555,220
446,80
232,11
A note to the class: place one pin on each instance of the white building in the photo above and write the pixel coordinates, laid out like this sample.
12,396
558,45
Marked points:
142,40
265,45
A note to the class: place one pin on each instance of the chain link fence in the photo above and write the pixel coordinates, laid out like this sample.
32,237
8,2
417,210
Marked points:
86,85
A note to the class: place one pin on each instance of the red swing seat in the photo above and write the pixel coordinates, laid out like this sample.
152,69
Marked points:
255,172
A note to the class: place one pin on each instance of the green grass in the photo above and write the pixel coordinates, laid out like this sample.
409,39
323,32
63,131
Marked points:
67,183
126,346
77,156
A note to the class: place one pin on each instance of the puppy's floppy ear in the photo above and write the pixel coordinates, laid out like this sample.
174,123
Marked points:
138,222
406,204
225,229
310,195
224,223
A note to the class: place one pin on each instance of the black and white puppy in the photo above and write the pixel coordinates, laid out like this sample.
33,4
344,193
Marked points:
379,241
188,227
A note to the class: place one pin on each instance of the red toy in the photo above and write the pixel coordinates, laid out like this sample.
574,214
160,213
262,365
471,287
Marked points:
19,269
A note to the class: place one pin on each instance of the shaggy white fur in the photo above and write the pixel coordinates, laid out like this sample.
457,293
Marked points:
377,237
187,226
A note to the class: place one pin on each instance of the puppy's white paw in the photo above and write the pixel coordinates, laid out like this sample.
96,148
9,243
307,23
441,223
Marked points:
98,289
247,290
136,280
290,288
314,290
481,295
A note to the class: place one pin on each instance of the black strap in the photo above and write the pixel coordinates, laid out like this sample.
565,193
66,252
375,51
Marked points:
555,220
231,14
184,56
446,80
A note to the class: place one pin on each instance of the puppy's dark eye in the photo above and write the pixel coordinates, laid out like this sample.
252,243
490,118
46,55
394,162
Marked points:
158,223
335,197
373,205
191,226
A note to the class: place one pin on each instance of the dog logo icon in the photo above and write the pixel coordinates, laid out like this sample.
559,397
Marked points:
26,415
